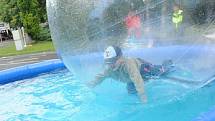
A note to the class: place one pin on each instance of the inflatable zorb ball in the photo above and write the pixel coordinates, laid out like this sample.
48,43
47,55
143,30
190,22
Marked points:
155,31
82,29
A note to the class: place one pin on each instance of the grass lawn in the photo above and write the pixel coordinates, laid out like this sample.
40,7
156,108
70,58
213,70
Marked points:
42,46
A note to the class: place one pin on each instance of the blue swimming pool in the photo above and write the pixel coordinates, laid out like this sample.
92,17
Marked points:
59,96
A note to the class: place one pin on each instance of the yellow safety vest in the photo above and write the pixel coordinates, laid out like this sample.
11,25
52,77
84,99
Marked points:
177,17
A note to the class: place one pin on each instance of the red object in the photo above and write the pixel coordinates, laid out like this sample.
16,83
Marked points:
133,24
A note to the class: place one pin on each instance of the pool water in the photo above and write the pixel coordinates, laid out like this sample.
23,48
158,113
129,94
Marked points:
59,96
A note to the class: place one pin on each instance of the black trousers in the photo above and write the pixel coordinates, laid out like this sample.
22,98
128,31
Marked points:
147,71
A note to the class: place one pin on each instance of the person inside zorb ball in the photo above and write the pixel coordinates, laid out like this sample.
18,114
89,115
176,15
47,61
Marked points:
137,36
131,71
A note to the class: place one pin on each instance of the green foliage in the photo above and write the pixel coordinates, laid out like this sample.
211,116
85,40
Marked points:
42,11
204,12
31,24
30,16
27,13
44,34
9,13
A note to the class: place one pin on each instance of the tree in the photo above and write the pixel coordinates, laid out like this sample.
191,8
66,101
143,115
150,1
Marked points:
204,12
42,10
9,13
27,13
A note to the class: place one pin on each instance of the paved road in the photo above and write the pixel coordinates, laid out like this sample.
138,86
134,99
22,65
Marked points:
15,61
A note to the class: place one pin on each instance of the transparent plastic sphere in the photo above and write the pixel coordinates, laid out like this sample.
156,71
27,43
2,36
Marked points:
152,30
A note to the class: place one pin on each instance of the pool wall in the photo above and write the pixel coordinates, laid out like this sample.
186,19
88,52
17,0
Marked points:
30,70
208,116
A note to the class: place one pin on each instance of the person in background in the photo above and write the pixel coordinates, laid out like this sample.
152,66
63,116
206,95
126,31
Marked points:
133,25
131,71
177,16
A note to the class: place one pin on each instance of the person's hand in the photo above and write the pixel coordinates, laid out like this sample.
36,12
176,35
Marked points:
143,98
